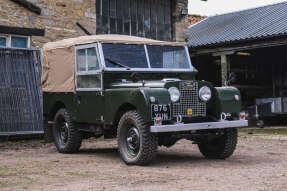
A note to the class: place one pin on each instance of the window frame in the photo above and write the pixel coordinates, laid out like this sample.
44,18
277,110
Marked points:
9,40
86,73
149,68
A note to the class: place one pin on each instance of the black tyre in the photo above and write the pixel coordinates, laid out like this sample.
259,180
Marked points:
66,136
137,146
221,147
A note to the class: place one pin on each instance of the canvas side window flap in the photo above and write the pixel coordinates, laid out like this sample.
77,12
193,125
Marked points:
88,61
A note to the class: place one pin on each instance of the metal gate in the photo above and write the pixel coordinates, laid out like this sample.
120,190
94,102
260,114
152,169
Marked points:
20,97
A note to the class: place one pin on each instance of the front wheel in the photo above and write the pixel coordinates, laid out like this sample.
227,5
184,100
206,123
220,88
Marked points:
221,147
137,146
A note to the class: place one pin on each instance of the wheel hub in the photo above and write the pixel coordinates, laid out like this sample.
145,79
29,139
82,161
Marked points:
133,141
64,129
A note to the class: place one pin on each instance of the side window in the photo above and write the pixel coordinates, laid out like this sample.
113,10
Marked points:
87,66
2,41
92,59
19,42
81,60
87,60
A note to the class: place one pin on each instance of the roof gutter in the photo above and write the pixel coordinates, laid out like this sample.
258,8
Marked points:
239,45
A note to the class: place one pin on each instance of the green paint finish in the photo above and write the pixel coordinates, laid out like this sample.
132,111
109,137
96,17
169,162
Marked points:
89,107
122,90
223,100
53,101
136,97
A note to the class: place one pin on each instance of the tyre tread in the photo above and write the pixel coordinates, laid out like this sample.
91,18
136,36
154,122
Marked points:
149,141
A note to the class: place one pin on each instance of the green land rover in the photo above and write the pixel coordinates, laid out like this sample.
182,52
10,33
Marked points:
141,91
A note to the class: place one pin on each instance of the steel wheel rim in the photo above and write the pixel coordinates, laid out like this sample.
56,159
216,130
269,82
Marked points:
63,131
133,141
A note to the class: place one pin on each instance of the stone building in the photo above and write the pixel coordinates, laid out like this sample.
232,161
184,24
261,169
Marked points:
30,23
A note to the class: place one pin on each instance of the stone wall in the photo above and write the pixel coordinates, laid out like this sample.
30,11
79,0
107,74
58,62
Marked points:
180,21
59,18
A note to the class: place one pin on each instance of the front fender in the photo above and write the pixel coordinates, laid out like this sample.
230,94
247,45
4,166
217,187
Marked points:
224,101
137,97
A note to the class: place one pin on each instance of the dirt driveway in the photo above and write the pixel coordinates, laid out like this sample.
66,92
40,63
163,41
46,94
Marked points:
259,163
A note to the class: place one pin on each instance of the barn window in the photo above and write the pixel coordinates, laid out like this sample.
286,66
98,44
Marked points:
19,42
145,18
2,41
15,41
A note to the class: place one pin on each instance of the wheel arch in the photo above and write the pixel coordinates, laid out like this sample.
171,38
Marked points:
125,107
58,105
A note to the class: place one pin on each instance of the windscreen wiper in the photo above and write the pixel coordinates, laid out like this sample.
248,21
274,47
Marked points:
117,63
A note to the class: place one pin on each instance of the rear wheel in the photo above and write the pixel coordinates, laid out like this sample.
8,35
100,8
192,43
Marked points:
221,147
137,146
66,136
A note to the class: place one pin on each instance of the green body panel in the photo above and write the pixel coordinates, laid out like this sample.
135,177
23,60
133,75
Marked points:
223,100
90,106
102,107
137,97
52,101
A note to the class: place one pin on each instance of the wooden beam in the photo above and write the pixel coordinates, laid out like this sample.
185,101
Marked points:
225,61
223,53
22,31
28,5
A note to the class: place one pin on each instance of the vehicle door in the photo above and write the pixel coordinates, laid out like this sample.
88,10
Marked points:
88,78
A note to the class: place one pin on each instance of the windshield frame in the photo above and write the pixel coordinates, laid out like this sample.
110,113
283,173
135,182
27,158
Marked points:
149,69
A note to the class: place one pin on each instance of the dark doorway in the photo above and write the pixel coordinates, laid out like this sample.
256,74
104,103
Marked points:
144,18
209,69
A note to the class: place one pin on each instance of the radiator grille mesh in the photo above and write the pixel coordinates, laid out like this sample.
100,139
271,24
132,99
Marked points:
189,100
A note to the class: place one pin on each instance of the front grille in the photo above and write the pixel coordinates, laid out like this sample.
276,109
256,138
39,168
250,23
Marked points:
189,100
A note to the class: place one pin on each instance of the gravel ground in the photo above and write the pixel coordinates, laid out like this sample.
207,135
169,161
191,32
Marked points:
259,163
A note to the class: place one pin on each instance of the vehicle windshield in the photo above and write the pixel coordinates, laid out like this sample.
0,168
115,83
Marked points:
168,57
124,55
134,56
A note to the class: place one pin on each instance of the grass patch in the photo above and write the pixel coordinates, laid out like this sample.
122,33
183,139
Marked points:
265,131
81,174
8,184
3,169
24,180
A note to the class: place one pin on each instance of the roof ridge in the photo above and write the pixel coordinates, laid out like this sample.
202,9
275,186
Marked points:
256,23
247,10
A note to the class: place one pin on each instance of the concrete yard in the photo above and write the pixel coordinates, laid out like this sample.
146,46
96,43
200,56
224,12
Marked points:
259,163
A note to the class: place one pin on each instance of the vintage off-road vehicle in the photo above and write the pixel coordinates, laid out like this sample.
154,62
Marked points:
141,91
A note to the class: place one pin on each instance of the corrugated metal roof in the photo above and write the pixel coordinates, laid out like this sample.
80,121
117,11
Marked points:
249,24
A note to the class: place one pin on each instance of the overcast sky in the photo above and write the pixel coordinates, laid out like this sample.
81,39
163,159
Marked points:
213,7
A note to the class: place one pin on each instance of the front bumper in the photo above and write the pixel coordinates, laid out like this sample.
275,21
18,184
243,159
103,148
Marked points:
198,126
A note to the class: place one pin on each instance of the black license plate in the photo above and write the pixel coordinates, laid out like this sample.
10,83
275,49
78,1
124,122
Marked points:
161,110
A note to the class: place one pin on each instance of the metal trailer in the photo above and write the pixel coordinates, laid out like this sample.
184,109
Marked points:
20,96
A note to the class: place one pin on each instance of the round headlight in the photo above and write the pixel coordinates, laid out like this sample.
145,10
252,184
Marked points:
174,94
205,93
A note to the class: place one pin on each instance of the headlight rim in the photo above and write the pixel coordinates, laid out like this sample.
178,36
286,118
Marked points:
171,92
200,95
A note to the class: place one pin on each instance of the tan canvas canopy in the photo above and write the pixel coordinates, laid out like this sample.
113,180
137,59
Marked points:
58,58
